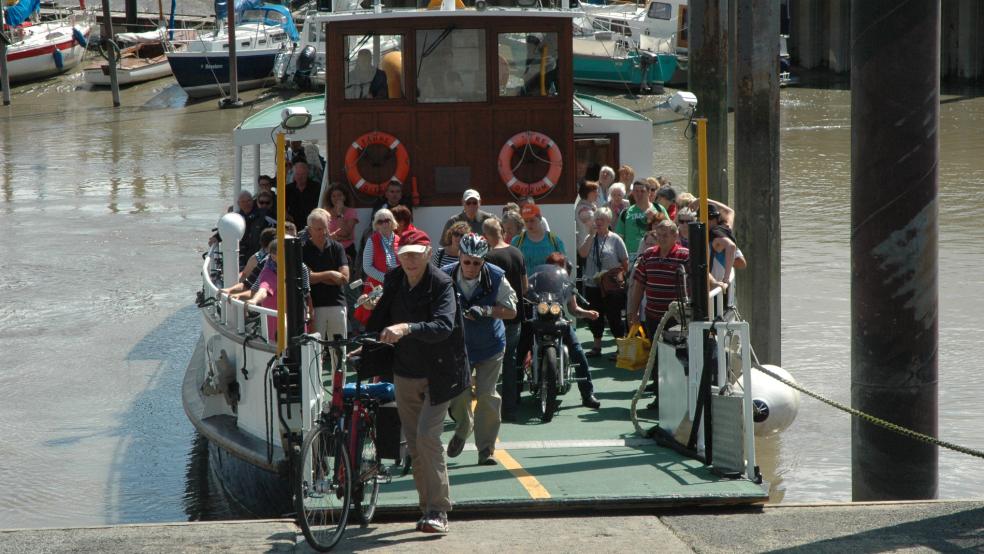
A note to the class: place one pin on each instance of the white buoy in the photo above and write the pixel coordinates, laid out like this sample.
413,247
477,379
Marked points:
774,404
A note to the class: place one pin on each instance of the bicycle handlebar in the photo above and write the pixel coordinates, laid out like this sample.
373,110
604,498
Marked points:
358,340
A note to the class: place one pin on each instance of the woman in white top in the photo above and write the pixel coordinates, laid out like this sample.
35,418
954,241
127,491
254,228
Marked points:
604,251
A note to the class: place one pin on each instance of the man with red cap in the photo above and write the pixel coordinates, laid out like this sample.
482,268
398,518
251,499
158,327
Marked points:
419,314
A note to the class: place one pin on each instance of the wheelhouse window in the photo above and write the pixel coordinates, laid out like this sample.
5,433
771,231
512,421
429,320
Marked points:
451,65
374,67
660,10
528,64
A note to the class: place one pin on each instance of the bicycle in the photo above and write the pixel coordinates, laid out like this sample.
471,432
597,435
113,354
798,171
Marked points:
339,465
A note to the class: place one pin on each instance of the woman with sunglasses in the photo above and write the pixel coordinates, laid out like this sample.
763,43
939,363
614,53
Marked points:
446,255
379,256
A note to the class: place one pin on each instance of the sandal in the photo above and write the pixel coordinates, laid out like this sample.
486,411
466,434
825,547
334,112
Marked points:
593,353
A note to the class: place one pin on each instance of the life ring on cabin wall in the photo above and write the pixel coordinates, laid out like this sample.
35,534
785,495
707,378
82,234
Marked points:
358,148
522,141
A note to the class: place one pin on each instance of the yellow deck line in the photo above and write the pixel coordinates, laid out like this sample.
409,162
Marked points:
533,487
530,483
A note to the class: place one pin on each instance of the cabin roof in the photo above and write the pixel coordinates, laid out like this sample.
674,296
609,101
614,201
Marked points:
401,15
606,110
256,128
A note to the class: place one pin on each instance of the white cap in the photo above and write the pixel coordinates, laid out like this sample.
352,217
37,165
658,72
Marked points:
469,194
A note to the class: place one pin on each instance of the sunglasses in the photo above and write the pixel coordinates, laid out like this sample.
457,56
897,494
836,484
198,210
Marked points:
381,221
471,203
263,203
471,263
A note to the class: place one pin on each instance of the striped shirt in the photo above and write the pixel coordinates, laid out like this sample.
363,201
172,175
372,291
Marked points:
658,273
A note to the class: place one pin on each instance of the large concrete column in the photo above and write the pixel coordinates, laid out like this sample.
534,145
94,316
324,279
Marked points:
757,173
806,33
971,44
838,32
894,262
708,79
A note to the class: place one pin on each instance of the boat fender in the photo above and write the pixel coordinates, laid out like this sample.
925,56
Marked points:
59,60
79,37
774,404
358,149
522,141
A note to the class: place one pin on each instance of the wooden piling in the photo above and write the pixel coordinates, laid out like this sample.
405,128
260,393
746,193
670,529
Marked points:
757,224
708,79
107,39
895,94
4,75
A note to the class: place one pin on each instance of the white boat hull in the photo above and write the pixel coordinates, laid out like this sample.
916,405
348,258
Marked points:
34,57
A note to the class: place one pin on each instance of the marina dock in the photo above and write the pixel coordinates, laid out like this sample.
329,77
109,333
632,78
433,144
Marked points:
825,528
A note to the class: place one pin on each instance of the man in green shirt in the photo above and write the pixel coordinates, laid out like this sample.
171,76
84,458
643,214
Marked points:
634,222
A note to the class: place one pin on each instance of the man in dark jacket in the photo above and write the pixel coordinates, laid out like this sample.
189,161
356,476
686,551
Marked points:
418,312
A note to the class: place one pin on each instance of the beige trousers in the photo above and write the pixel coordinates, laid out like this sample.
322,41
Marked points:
330,321
486,417
422,424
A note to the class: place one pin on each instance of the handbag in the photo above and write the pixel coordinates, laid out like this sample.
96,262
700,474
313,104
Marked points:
633,350
611,281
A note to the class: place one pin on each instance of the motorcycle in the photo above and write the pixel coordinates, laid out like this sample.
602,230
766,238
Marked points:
550,373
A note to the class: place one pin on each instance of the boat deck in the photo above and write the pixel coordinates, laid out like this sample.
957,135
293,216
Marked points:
582,459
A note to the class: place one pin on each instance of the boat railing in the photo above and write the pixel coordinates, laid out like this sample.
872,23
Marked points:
232,314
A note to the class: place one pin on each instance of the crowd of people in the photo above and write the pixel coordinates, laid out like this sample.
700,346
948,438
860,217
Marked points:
458,302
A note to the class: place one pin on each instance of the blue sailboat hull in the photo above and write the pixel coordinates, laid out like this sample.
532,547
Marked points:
205,74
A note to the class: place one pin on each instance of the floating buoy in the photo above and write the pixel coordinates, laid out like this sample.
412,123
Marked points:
79,37
774,404
59,60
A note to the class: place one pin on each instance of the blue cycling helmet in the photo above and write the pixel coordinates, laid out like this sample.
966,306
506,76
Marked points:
473,244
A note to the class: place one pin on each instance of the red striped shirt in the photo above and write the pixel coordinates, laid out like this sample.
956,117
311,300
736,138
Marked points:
659,275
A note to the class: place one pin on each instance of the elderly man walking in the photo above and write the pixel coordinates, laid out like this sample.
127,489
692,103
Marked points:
471,213
486,299
419,314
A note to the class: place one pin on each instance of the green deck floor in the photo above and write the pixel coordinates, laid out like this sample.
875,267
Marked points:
583,458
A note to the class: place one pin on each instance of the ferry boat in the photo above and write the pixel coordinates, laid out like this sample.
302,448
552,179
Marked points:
254,412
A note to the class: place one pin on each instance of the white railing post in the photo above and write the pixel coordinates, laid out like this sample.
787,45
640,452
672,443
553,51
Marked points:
232,227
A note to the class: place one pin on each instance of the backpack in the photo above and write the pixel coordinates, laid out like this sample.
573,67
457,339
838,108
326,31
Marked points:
551,236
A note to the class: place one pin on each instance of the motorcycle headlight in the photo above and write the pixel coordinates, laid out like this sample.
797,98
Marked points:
542,308
555,309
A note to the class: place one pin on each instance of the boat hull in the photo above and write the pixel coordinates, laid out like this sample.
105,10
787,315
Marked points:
206,74
99,76
253,475
623,71
37,61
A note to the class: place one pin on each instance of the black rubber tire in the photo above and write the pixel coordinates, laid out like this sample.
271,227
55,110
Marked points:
548,384
323,515
368,488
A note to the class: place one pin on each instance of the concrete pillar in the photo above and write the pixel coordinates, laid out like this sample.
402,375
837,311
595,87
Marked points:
895,92
949,39
839,35
757,173
708,79
806,32
969,39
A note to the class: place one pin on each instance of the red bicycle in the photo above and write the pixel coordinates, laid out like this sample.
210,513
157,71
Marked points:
339,466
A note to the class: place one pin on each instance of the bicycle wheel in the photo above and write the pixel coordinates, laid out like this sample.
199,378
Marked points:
370,465
323,488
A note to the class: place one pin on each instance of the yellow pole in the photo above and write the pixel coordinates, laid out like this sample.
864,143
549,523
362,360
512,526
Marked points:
702,172
281,218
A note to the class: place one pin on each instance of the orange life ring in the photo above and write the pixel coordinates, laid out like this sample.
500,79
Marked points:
521,140
355,152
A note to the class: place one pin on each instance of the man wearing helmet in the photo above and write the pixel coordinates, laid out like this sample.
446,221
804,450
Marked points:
486,298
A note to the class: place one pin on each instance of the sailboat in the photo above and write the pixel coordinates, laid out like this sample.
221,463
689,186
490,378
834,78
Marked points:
262,32
38,49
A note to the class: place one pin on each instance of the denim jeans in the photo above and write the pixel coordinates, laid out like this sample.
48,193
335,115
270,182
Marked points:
511,371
